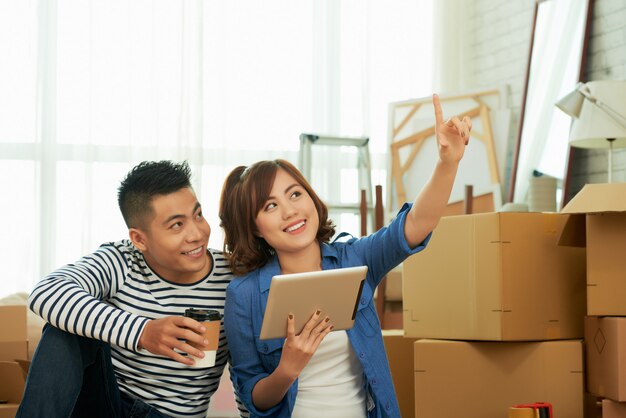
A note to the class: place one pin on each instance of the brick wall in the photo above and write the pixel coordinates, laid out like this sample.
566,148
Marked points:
606,59
500,33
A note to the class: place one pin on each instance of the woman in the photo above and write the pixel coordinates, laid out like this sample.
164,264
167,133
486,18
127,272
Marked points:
274,223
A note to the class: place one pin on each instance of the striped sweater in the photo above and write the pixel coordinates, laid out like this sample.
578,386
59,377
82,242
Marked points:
110,295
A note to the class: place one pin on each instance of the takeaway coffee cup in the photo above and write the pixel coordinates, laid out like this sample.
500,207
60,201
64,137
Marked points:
211,321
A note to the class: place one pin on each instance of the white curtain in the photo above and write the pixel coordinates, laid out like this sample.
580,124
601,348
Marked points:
452,41
90,88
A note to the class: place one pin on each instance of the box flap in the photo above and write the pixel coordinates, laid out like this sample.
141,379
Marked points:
12,381
595,198
8,410
25,365
573,233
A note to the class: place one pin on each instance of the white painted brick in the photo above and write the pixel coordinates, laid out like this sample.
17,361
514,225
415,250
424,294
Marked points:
608,40
501,56
606,7
602,74
521,20
515,7
491,4
614,20
502,43
518,52
491,16
504,11
616,56
597,61
488,61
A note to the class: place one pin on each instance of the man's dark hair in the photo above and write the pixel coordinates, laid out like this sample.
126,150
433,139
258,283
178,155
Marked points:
145,181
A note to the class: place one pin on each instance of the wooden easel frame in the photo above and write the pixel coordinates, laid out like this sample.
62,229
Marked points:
415,140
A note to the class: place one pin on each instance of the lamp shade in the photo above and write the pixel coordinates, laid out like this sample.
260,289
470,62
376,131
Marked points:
602,114
572,103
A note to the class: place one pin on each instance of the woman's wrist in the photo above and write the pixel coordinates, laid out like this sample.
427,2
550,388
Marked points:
285,374
450,164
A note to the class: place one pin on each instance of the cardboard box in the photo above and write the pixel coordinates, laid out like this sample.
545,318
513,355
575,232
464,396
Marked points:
393,287
605,349
8,410
13,338
483,379
612,409
400,356
12,382
496,277
599,222
593,405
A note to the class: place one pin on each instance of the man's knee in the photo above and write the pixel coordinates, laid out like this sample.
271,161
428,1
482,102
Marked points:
57,346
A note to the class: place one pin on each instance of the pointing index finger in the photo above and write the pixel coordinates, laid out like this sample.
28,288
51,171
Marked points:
438,113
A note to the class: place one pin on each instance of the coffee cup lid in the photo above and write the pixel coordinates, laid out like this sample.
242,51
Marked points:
202,314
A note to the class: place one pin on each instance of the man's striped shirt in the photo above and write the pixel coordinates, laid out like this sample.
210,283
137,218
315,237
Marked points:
110,295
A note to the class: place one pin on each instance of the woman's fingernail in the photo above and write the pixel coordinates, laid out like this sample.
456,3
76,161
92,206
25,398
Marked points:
317,312
290,316
327,319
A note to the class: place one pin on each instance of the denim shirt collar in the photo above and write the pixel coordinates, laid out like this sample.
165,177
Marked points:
272,268
265,273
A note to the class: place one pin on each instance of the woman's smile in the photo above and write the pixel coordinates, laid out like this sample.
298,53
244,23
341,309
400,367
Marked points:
295,227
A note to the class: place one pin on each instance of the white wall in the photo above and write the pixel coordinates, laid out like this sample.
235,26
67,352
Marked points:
500,33
606,59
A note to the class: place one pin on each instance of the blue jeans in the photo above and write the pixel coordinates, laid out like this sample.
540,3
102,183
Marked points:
72,376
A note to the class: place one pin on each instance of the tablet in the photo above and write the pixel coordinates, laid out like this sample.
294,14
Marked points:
334,292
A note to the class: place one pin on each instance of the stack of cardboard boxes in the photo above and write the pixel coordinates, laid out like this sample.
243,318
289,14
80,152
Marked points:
598,221
495,308
13,358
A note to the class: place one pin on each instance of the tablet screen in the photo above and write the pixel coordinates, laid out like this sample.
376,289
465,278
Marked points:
335,293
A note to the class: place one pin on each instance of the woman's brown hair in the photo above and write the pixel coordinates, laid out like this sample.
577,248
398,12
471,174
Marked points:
244,194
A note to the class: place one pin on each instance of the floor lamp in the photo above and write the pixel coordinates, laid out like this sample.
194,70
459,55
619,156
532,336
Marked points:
599,112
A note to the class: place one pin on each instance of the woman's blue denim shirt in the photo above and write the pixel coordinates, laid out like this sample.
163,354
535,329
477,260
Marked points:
246,298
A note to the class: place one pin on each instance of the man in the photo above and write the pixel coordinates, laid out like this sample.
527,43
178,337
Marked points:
117,343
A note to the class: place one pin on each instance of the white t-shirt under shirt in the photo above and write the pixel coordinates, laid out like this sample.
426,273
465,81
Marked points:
331,385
